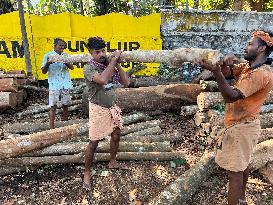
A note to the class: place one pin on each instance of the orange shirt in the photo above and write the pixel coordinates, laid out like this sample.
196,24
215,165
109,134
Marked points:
254,86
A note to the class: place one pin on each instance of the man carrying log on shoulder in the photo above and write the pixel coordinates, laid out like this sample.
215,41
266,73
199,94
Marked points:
59,81
254,80
101,76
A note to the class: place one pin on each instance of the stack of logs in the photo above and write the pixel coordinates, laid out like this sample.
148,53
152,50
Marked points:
10,93
211,121
141,139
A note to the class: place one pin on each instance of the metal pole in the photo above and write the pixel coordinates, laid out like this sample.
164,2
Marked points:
24,37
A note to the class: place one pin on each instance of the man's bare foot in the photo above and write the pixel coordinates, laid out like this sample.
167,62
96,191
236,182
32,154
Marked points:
115,165
242,202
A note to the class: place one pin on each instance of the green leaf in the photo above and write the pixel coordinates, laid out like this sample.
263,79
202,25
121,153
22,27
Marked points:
180,161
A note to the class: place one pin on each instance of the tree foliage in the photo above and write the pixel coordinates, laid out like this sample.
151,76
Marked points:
6,6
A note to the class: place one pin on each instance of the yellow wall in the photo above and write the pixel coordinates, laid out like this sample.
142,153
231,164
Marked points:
73,28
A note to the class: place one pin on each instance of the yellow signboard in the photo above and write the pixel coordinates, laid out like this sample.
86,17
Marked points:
119,31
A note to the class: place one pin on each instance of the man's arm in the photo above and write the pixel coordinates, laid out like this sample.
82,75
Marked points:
46,65
124,79
229,94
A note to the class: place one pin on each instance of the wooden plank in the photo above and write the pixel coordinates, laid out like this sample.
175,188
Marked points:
8,98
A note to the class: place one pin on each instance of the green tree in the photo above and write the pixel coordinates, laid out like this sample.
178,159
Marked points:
6,6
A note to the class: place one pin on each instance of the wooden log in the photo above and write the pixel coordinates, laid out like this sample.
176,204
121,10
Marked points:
189,110
266,134
266,120
43,108
17,146
181,190
172,57
8,85
135,117
267,172
149,131
263,154
12,75
149,81
140,126
201,117
206,100
153,138
103,147
6,170
204,75
20,96
79,158
161,97
209,86
8,99
32,127
33,88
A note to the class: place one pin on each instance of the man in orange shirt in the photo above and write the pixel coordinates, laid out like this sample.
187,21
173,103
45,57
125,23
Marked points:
254,80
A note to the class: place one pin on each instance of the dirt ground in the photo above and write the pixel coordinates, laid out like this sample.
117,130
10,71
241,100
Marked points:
62,184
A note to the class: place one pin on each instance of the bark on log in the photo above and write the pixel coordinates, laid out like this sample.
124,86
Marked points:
263,154
181,190
17,146
266,120
209,86
162,97
149,131
8,85
8,99
149,81
32,127
267,172
206,100
79,158
171,57
189,110
103,147
140,126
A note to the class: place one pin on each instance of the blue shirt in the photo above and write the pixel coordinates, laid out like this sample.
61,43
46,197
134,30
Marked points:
58,74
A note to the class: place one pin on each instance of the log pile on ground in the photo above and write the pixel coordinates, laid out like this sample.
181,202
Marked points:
10,93
141,139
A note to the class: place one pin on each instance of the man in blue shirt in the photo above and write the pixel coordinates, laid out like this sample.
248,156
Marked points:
59,81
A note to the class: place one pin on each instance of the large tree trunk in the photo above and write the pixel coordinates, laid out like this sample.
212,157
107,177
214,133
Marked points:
263,154
172,57
181,190
17,146
149,81
79,158
162,97
103,147
149,131
8,85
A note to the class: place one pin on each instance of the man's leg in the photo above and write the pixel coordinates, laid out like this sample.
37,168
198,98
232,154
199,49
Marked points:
65,112
52,116
89,156
235,189
114,143
245,178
